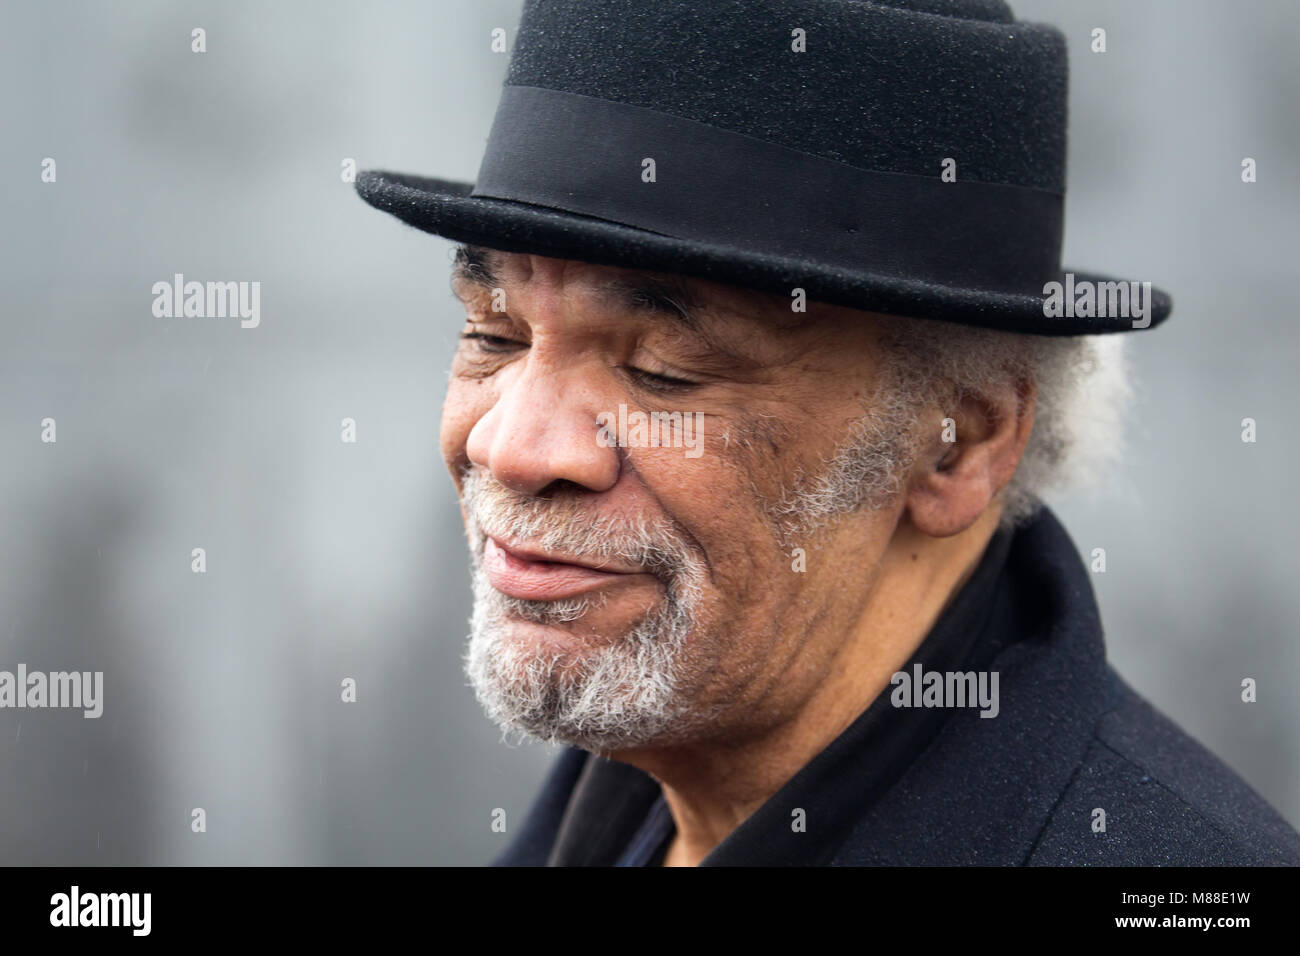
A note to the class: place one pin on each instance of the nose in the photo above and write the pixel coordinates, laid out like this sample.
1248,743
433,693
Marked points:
542,429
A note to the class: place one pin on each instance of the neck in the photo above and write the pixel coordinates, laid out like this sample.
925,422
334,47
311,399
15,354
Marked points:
711,789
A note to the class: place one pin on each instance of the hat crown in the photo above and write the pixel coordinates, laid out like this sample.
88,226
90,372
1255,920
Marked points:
895,86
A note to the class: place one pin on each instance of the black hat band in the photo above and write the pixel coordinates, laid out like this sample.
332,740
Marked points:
585,155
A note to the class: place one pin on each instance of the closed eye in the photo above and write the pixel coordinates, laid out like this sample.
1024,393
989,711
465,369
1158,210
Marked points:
659,383
492,343
654,381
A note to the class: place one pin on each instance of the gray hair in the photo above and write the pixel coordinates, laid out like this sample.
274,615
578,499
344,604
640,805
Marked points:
1081,385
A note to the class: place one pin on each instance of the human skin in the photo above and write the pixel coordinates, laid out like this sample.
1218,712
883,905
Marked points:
783,660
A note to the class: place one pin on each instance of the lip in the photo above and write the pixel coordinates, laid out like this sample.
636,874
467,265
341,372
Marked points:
530,575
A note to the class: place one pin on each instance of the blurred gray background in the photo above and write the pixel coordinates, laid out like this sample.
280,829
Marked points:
328,560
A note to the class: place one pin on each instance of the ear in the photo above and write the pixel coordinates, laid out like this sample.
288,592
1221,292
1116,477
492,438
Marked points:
953,482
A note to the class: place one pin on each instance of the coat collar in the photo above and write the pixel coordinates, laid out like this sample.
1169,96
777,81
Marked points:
984,791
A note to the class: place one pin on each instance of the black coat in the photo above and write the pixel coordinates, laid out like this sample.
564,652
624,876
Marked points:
946,786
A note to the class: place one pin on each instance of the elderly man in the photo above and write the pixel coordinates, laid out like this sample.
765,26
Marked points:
767,360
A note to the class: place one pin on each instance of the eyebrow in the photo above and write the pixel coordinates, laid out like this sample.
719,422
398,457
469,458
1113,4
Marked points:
476,266
656,296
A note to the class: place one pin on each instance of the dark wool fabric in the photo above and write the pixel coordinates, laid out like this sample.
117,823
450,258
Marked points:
997,90
937,786
887,87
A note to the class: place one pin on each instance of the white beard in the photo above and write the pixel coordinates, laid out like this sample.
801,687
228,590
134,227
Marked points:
620,691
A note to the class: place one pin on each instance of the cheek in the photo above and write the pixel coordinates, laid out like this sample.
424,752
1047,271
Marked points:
713,499
463,406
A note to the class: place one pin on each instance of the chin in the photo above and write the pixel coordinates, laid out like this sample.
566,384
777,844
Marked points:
601,688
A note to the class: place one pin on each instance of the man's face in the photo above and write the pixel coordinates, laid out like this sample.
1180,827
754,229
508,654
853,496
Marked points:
633,592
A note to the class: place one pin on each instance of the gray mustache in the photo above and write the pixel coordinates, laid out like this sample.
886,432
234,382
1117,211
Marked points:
563,525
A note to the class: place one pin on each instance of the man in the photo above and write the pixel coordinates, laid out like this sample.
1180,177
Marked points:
767,360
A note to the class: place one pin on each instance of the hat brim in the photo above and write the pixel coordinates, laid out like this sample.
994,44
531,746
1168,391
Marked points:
446,208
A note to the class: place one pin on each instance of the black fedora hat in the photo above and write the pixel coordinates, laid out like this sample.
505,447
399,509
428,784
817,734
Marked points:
897,156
